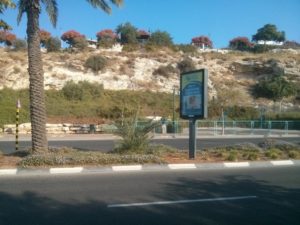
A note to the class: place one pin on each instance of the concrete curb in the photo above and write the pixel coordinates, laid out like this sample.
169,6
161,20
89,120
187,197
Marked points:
136,168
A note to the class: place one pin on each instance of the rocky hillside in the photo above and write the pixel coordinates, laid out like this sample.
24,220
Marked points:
231,74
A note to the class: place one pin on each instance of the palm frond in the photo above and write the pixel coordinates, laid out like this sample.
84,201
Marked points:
51,9
21,9
101,4
117,2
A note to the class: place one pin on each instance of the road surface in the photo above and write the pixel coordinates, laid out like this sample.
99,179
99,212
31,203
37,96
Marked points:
108,144
212,197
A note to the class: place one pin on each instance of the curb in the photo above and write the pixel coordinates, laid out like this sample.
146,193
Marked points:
136,168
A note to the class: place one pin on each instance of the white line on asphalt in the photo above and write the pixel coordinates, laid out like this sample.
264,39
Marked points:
66,170
8,171
181,201
236,164
127,168
282,163
182,166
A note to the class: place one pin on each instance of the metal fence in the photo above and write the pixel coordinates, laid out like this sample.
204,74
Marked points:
254,127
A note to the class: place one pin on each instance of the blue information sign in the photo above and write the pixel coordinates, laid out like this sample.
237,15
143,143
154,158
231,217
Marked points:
193,94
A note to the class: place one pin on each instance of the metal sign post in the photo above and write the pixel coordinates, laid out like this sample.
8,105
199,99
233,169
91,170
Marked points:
193,102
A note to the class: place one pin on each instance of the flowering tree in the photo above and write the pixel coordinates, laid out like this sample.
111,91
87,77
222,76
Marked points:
70,37
106,34
7,38
202,41
240,43
44,37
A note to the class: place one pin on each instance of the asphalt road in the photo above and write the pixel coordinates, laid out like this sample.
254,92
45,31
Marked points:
209,197
108,145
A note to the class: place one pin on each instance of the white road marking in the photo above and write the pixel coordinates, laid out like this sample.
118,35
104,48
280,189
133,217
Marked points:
181,201
66,170
8,171
127,168
282,163
236,164
182,166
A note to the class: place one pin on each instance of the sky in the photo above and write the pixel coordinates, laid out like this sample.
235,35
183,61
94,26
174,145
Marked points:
221,20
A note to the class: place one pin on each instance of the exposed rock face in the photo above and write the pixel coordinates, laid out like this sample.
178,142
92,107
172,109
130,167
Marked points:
230,73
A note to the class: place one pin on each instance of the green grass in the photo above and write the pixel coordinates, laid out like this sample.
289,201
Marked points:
90,103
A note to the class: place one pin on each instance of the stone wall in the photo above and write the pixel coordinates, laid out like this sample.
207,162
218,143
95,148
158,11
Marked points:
63,128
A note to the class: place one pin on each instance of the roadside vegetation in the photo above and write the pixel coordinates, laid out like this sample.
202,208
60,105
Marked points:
269,149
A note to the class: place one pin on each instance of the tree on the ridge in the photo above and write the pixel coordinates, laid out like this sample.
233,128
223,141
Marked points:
128,33
32,8
269,32
44,37
202,41
161,38
240,43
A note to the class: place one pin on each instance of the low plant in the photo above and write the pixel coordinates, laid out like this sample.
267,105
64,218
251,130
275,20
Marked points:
96,63
135,137
186,65
165,71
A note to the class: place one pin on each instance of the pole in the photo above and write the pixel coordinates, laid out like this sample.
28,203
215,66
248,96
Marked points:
223,122
192,139
17,123
174,131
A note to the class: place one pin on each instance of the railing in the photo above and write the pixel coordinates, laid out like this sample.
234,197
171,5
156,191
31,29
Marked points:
252,127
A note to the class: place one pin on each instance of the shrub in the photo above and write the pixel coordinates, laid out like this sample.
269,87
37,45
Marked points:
262,48
96,63
19,45
53,45
165,71
130,47
242,112
81,91
202,41
161,38
275,88
186,65
135,138
186,48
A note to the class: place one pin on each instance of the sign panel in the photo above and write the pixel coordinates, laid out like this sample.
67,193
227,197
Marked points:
193,94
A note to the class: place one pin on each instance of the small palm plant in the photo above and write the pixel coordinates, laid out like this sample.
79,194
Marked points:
135,136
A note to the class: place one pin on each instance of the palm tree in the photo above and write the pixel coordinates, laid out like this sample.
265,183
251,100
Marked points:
32,8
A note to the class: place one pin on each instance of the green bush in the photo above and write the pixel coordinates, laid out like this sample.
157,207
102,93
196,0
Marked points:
19,45
186,65
262,48
130,47
186,48
161,38
81,91
96,63
135,137
80,43
53,44
165,71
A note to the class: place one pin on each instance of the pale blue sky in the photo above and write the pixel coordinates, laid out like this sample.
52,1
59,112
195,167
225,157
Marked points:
221,20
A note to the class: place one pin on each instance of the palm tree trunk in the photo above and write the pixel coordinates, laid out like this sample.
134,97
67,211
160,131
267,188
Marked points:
36,80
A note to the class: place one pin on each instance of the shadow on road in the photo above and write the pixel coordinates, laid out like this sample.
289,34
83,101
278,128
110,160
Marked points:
274,205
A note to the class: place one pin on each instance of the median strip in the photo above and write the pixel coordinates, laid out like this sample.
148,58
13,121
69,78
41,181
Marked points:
182,166
236,164
66,170
282,163
8,171
127,168
138,204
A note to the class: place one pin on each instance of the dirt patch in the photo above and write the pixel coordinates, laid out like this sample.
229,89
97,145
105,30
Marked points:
9,161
